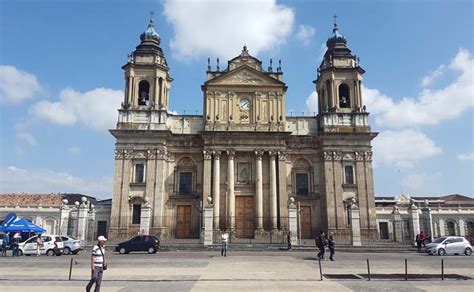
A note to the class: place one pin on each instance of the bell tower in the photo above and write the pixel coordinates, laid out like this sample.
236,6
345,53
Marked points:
339,79
147,79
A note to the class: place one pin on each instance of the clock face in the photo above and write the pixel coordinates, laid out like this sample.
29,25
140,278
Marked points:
244,104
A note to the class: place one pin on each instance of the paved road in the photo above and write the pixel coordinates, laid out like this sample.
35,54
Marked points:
251,271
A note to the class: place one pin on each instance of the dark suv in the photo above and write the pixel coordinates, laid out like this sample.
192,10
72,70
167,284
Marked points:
148,243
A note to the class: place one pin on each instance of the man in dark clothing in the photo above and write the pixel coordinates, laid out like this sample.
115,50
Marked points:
331,246
418,242
288,239
320,243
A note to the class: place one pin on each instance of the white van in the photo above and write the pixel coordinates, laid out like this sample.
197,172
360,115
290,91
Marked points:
52,244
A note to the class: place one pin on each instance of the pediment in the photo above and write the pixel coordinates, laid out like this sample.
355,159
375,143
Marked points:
244,75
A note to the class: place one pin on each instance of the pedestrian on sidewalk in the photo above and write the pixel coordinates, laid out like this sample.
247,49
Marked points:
320,243
16,244
98,264
5,243
288,240
418,242
224,241
331,246
39,245
422,238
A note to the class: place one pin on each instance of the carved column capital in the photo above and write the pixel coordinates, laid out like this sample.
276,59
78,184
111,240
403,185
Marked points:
161,154
368,156
217,154
207,154
327,156
281,155
230,154
119,154
128,154
337,155
359,156
272,154
259,153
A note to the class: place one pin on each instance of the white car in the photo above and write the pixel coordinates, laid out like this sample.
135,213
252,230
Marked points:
52,244
72,245
449,245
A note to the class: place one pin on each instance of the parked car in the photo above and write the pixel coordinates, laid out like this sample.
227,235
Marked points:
52,245
147,243
72,245
449,245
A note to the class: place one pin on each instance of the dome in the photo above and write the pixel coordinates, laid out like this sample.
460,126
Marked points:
150,33
336,37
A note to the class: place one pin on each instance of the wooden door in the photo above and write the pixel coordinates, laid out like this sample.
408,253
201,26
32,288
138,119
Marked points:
306,222
183,221
244,216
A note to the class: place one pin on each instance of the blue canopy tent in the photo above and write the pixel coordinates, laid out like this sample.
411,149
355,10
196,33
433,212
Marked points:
24,226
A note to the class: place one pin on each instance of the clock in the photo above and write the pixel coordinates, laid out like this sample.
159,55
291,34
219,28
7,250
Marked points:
244,104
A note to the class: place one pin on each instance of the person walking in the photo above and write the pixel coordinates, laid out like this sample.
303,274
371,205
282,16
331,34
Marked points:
98,264
321,245
39,245
16,244
331,246
5,243
422,238
288,240
224,241
418,242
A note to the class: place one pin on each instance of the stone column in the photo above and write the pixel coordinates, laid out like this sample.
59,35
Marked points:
442,227
216,195
397,224
64,217
273,190
206,180
90,230
230,177
145,216
208,222
414,222
259,190
354,215
293,221
283,194
427,220
462,231
82,220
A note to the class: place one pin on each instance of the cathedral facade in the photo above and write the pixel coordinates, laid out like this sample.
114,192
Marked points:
243,156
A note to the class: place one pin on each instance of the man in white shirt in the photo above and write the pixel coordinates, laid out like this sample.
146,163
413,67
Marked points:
98,263
224,240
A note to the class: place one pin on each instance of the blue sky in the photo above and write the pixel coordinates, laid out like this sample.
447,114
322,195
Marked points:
61,82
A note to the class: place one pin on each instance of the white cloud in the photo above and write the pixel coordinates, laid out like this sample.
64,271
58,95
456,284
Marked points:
305,33
96,109
13,179
403,148
431,106
27,137
424,183
466,156
221,28
74,150
16,85
312,102
428,79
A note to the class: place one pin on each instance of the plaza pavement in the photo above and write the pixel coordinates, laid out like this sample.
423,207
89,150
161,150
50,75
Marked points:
239,271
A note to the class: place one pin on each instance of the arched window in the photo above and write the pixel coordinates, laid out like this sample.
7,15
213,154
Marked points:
344,96
301,177
143,93
470,229
136,209
450,228
185,175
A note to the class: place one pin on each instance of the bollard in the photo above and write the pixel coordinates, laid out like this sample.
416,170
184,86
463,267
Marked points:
406,270
442,269
320,271
70,269
368,269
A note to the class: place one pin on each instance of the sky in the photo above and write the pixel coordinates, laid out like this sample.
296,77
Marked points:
61,81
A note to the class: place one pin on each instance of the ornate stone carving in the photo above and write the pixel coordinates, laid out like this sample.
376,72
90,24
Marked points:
151,154
359,156
217,154
185,162
327,156
245,78
368,156
281,156
348,156
139,154
259,153
119,154
207,154
337,155
128,154
300,163
231,154
161,154
272,155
